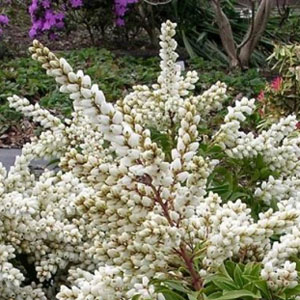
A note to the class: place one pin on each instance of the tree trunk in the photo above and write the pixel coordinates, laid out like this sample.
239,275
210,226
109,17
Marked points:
239,56
149,28
226,35
255,32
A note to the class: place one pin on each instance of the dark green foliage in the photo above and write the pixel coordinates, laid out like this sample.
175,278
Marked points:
249,82
114,74
236,179
233,280
199,32
237,281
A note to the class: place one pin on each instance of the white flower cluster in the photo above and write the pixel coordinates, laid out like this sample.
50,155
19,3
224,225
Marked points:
285,190
119,212
279,149
160,105
278,270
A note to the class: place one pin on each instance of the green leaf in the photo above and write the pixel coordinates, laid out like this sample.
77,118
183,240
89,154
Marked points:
237,275
265,173
256,175
223,270
292,292
238,195
214,295
274,205
53,162
175,285
224,283
170,295
191,297
219,189
250,278
256,270
229,295
161,139
259,161
249,268
230,266
295,259
187,45
263,287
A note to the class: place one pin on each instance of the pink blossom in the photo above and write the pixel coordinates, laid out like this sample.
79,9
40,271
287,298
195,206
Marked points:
261,96
276,83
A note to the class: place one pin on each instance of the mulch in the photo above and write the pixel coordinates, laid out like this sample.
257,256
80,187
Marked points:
16,135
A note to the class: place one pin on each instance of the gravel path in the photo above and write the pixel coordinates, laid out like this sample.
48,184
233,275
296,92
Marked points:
8,156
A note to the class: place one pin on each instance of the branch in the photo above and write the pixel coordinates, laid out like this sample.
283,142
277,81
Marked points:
196,279
182,252
259,26
158,3
225,32
284,13
249,35
284,8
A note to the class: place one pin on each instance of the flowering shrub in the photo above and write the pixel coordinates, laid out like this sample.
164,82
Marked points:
121,7
44,18
124,217
282,95
4,20
48,15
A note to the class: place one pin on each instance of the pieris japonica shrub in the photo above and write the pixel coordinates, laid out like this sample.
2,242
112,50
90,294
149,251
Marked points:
125,217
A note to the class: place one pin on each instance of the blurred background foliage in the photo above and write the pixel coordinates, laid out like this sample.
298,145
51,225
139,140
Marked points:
118,57
95,24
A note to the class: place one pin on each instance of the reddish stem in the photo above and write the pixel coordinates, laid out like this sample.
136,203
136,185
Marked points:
196,279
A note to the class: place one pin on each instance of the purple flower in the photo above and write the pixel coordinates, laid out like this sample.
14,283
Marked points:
120,22
121,9
32,33
33,7
4,20
46,3
49,21
52,20
60,16
35,28
52,36
76,3
60,25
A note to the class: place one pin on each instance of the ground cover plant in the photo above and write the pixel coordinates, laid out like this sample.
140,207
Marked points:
116,74
143,204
